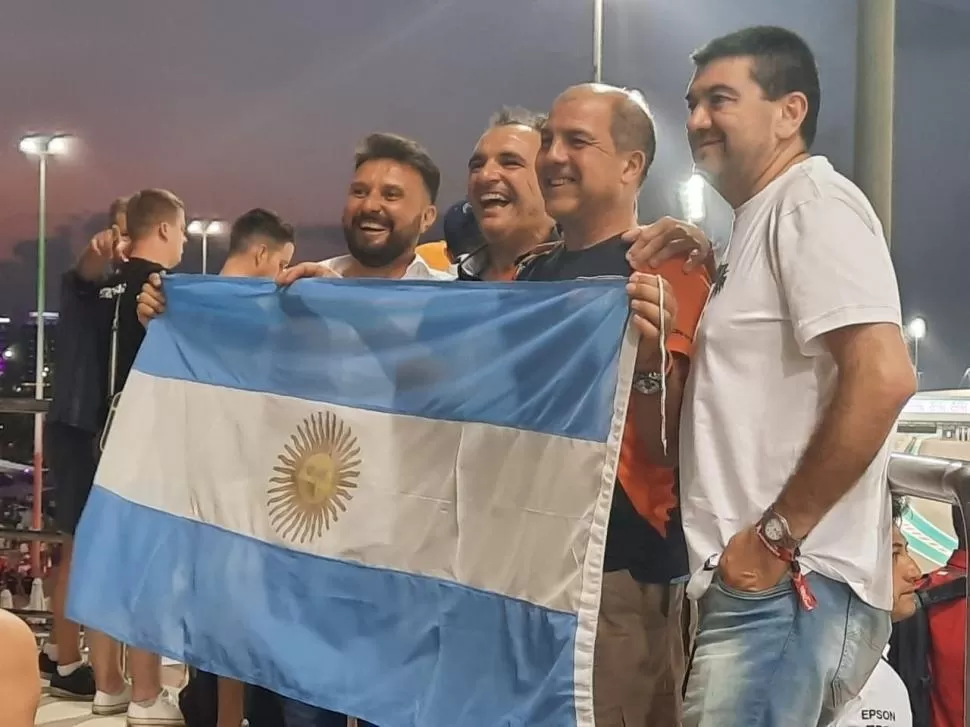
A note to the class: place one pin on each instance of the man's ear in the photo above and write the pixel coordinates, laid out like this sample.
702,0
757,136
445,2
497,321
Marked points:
428,218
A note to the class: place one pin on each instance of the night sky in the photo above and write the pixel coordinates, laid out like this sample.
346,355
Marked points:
239,103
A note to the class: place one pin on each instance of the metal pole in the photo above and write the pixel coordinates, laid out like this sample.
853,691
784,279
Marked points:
916,356
875,80
37,520
598,41
205,251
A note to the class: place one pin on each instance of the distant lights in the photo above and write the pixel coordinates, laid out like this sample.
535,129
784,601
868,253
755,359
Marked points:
45,144
693,198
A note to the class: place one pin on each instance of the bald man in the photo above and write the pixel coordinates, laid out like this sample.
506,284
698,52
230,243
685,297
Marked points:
595,150
19,674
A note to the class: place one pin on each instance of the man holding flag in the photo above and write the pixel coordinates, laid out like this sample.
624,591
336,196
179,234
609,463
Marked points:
597,146
381,204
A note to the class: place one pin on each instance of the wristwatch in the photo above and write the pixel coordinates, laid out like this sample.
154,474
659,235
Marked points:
774,528
648,383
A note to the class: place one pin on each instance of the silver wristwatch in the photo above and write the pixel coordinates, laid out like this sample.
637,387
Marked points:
777,531
648,384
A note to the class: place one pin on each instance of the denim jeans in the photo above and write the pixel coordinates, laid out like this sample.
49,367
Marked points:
298,714
761,660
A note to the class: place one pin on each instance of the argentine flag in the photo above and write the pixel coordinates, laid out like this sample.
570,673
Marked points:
385,498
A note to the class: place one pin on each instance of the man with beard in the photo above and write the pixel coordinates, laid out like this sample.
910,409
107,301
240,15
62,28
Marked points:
596,149
390,204
504,195
799,375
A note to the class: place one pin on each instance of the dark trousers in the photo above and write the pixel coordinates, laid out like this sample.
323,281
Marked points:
298,714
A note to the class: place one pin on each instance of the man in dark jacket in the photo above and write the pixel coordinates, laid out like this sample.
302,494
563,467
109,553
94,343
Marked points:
103,336
72,424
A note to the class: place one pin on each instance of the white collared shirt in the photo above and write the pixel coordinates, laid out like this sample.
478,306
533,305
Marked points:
417,270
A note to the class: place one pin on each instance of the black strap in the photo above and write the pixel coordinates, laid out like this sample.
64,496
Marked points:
944,592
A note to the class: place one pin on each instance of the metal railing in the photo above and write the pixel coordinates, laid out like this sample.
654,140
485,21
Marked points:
943,480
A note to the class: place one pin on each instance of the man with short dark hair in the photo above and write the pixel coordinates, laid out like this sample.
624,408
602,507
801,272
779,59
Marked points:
800,344
504,197
261,245
390,204
594,153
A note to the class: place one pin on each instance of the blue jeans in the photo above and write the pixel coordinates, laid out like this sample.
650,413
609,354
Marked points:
760,660
298,714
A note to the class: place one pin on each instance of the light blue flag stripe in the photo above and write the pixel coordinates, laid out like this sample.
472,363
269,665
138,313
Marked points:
320,630
419,348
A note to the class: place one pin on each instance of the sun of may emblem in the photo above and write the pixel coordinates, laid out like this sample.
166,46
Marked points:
315,478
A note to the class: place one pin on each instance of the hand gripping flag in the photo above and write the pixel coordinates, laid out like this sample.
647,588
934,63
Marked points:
385,498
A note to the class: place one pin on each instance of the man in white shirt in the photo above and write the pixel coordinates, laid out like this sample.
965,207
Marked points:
884,701
800,371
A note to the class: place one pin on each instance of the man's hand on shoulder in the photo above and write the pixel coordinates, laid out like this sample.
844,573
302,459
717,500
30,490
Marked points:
667,238
106,247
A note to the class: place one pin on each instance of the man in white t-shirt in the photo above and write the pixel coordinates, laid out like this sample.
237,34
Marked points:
800,372
884,701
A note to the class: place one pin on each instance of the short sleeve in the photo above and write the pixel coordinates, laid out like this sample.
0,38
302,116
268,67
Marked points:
691,291
835,269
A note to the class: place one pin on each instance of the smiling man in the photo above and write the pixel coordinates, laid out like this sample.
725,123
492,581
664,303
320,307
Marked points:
390,204
504,195
595,150
799,375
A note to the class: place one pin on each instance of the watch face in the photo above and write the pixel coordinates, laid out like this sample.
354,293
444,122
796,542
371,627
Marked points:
773,529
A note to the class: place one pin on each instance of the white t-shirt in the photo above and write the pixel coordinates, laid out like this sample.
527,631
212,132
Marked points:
883,702
807,256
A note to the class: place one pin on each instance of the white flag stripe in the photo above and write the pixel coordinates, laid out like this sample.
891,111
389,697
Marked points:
413,508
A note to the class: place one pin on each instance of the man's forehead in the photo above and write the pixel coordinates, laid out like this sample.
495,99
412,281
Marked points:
734,72
579,109
898,537
387,171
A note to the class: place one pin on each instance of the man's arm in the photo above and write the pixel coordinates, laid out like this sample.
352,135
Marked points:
106,246
842,295
875,381
689,290
645,410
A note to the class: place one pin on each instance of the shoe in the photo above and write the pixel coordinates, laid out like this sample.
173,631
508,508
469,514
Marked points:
107,704
163,712
78,685
47,665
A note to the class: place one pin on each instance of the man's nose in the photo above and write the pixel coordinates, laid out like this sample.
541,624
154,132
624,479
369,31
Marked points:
699,119
556,151
490,171
371,203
